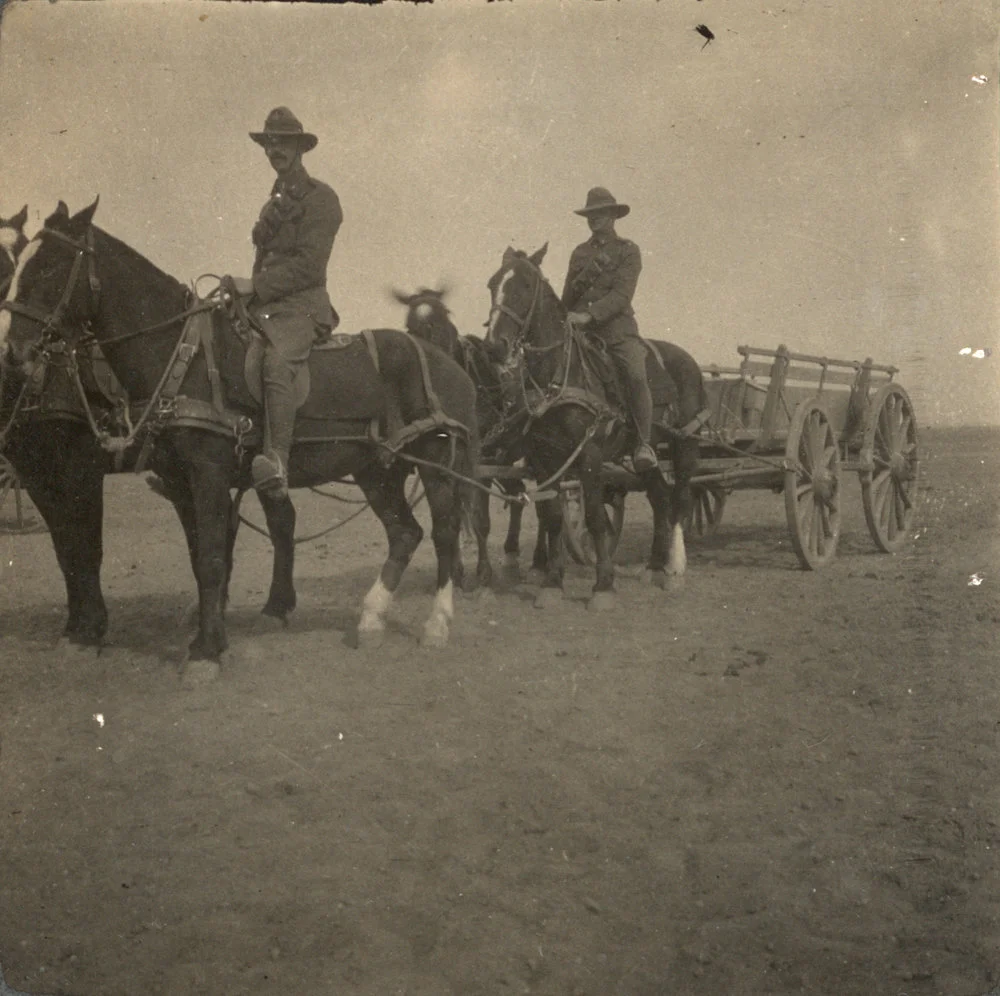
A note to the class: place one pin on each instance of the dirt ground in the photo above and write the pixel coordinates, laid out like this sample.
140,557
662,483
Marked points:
768,782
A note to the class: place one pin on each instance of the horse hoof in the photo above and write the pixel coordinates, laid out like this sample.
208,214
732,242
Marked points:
198,673
511,575
269,622
549,597
370,639
602,601
434,637
675,582
278,609
68,647
190,616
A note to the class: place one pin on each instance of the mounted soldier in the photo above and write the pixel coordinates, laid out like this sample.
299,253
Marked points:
600,283
294,237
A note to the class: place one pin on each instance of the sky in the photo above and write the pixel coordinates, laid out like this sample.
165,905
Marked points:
822,174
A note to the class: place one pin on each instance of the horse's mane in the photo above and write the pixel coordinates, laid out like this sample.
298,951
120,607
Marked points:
138,265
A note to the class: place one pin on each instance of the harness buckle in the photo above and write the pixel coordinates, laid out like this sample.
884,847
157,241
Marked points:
186,351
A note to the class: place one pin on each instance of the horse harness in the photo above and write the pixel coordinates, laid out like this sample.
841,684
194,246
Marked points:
167,406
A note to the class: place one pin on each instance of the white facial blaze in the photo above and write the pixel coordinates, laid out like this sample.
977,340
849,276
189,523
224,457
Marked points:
8,240
26,254
497,301
423,312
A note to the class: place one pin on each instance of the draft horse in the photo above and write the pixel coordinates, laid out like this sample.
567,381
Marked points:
562,388
428,318
377,404
45,435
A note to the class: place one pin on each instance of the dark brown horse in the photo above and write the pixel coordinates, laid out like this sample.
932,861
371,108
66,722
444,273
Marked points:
378,404
562,388
428,318
45,435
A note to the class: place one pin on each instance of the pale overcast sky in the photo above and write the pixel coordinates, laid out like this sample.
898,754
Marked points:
821,174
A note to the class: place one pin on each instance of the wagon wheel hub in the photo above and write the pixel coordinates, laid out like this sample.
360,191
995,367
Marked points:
899,466
824,485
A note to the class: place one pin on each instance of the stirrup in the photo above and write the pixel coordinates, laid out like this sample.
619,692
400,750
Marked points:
268,475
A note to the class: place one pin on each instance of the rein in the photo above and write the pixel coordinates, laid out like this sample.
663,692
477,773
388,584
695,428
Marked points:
53,321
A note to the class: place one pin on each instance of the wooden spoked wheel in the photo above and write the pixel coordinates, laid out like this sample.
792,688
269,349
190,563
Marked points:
889,481
709,505
10,492
812,485
575,535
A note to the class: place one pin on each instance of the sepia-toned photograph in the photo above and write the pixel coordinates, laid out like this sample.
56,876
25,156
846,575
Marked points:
499,496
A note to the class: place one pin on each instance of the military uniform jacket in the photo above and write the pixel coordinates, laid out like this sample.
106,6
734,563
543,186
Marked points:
294,238
602,275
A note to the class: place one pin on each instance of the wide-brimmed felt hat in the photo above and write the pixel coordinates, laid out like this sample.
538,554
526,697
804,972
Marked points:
281,123
601,199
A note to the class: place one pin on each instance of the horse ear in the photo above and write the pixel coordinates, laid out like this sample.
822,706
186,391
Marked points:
58,218
537,257
19,219
81,220
509,255
403,299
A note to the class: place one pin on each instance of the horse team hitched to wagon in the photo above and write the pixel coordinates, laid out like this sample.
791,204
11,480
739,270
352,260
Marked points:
109,363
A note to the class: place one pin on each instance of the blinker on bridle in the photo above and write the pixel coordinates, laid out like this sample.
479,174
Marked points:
53,321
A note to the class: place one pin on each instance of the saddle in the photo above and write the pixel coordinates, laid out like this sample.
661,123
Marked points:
666,399
339,391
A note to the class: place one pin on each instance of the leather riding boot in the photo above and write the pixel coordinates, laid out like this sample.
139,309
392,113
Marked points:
269,469
644,457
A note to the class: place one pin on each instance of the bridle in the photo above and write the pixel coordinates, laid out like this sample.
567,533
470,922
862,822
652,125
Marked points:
53,321
519,341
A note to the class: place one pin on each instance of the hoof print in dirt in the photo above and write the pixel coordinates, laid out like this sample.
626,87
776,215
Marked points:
746,658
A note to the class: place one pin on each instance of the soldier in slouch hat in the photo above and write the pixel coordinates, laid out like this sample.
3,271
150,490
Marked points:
601,280
293,238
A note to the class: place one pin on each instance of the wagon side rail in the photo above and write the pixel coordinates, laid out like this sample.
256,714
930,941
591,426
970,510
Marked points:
846,385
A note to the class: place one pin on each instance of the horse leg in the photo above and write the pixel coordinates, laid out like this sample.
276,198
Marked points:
383,488
68,490
592,485
481,527
550,524
198,487
659,497
445,506
685,459
231,533
540,556
512,541
280,516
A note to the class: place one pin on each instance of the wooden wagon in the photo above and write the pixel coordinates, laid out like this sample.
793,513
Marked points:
792,423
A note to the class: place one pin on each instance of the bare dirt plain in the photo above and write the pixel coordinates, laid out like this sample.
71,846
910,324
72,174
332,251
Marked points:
769,782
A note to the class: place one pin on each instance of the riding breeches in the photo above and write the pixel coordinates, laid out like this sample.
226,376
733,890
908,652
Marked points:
629,354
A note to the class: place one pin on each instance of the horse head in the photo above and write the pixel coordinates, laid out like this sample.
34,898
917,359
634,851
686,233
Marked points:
518,294
428,318
47,299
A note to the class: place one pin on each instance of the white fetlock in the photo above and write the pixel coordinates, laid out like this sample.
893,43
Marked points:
438,626
374,609
678,555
